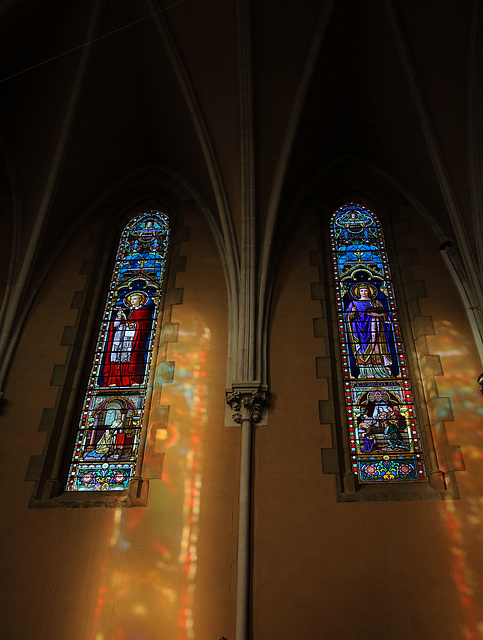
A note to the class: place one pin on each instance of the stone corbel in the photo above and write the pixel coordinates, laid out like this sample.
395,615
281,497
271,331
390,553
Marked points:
247,401
480,383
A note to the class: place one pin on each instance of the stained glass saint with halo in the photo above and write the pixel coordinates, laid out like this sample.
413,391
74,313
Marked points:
383,433
109,431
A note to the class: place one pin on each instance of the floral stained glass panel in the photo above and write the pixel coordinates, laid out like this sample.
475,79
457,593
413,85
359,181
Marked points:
384,438
109,432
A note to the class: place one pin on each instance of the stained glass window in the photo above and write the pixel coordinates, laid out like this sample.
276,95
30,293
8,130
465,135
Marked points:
109,433
383,433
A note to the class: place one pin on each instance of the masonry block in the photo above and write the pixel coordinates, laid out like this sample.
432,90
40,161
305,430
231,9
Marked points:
440,410
321,330
323,367
454,457
137,492
421,345
422,326
58,375
174,296
415,289
326,435
407,274
78,300
86,267
34,468
437,481
431,388
169,332
430,366
166,371
414,310
326,412
161,415
317,290
68,337
47,419
330,461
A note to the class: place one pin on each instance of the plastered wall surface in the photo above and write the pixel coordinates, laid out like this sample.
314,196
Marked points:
461,519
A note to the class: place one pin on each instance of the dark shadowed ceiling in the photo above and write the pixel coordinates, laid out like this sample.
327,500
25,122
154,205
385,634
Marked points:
391,84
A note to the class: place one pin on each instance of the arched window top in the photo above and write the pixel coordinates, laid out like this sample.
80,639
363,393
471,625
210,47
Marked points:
383,433
111,426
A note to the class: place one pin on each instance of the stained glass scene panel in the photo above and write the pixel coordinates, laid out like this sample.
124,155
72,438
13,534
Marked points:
109,431
384,439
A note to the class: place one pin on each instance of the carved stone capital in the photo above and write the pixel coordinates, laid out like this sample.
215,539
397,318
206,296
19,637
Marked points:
246,401
480,383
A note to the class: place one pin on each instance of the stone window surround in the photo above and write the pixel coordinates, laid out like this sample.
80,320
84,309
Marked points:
48,469
441,458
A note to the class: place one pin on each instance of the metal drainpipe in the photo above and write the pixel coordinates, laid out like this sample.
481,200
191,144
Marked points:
244,530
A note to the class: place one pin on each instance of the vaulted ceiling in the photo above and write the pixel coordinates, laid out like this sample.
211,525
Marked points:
93,91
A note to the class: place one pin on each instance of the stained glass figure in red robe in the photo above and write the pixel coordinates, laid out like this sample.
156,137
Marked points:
127,343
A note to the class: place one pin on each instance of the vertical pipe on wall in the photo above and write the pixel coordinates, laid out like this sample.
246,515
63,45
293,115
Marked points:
244,530
247,401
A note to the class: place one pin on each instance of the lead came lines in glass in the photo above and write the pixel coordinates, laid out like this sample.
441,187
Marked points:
384,441
107,442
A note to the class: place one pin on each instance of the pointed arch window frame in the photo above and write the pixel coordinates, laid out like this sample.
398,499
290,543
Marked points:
375,373
108,449
442,458
48,469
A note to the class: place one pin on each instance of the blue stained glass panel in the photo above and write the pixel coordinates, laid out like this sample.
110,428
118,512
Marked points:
384,438
109,431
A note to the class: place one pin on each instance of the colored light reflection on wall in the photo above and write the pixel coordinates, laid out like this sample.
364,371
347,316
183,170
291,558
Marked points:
463,519
150,573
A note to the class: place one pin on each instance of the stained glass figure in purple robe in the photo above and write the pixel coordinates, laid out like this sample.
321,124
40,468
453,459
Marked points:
368,327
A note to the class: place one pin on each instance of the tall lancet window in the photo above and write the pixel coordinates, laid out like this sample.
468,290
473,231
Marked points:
383,433
110,431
